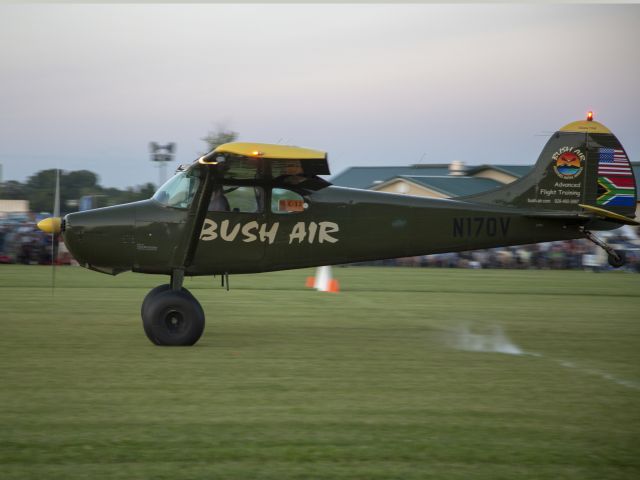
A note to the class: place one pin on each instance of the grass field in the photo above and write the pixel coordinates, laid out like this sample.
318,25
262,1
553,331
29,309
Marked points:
392,378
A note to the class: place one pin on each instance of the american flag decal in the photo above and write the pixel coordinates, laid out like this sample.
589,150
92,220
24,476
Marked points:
613,161
616,186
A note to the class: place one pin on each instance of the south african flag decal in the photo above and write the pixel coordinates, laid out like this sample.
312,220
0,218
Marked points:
616,186
616,191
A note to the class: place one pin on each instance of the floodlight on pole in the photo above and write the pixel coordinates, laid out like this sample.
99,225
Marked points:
162,154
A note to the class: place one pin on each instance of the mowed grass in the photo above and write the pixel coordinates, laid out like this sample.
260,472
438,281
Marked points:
291,383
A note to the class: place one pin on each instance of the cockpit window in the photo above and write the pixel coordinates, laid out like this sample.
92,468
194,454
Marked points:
230,198
179,191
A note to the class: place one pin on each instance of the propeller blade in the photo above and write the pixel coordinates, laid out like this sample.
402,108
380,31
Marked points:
54,260
52,224
55,232
56,198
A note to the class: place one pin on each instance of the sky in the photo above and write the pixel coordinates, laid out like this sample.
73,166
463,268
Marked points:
89,86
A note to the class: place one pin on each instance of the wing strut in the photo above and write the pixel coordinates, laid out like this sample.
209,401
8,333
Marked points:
183,256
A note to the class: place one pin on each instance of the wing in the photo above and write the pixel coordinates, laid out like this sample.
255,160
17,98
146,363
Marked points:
263,161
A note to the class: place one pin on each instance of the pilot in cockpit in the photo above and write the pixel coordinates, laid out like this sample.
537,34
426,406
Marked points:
219,202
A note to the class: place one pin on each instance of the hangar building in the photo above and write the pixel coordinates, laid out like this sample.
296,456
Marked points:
439,180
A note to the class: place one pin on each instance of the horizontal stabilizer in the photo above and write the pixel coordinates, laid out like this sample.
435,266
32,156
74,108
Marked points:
599,212
609,215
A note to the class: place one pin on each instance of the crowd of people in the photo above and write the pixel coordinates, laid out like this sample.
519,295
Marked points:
21,242
570,254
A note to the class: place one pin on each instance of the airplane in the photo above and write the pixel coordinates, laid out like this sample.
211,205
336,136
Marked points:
253,207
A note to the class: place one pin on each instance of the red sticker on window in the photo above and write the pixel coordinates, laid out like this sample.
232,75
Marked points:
291,205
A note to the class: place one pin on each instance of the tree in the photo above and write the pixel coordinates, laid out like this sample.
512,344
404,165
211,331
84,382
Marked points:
39,190
82,179
146,191
219,136
13,190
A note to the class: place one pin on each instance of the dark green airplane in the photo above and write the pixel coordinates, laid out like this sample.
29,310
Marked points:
248,207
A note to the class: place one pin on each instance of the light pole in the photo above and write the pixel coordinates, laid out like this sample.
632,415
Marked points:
162,154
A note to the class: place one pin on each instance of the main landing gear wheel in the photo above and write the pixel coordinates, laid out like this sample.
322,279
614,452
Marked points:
616,259
172,318
151,294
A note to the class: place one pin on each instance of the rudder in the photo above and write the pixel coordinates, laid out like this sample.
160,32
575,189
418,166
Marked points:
583,163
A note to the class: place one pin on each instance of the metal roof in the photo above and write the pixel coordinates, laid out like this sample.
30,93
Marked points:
436,176
513,170
452,185
365,177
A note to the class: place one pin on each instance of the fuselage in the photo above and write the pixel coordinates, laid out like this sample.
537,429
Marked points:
251,207
337,225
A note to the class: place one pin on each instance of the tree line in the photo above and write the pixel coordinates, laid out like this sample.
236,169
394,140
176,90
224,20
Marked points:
39,189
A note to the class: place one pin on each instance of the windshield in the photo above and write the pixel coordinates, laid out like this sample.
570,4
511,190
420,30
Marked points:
179,191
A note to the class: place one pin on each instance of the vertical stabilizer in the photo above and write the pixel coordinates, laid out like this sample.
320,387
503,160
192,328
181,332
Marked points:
582,163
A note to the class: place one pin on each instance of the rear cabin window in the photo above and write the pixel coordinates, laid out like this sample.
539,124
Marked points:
229,198
286,201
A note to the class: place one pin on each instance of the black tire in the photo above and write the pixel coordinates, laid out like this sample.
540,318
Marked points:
151,294
172,318
145,303
619,261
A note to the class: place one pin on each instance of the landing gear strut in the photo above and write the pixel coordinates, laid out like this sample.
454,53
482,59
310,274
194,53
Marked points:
616,258
172,316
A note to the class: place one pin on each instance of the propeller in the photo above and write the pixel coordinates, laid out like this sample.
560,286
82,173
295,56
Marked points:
52,225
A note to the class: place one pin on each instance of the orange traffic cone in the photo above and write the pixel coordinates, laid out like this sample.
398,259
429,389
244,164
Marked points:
334,286
323,281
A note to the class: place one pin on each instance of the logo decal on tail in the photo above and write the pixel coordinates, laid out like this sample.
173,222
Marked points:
568,162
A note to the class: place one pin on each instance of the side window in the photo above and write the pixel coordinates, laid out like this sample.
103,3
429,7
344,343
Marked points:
286,201
229,198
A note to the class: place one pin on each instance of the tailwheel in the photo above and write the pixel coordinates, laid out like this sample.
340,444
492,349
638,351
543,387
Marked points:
616,259
172,317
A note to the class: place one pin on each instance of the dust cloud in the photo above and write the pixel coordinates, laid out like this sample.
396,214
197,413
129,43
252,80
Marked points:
494,341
